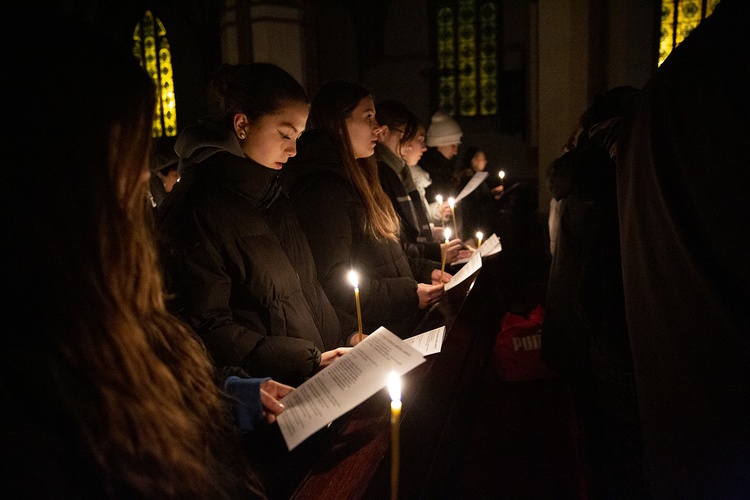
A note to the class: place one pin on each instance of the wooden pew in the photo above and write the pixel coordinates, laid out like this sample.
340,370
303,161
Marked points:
437,412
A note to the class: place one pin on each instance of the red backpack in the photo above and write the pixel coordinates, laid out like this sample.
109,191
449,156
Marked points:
518,348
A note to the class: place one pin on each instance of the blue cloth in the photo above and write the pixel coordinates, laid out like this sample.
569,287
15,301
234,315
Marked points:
246,404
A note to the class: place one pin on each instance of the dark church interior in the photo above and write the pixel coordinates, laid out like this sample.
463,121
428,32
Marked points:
524,80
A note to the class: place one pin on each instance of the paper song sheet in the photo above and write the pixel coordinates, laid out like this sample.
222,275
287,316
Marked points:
470,186
344,384
474,263
489,247
429,342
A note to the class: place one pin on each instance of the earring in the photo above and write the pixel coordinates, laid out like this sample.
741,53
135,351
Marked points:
242,136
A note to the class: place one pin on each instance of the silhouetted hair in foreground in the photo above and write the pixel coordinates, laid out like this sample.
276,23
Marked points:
104,392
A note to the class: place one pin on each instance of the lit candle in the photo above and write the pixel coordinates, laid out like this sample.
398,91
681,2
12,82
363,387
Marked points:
452,204
394,388
354,280
447,234
440,204
501,174
479,238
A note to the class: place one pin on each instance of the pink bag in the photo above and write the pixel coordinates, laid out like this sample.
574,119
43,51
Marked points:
518,347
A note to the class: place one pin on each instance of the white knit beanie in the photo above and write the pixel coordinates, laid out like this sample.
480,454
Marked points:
443,131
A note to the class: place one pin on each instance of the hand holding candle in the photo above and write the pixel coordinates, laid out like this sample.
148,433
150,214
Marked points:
394,388
439,199
447,234
354,280
452,203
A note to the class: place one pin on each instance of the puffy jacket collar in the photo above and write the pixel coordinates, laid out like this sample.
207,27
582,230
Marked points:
198,142
209,150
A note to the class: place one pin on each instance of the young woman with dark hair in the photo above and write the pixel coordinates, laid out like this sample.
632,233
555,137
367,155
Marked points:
235,256
398,128
349,221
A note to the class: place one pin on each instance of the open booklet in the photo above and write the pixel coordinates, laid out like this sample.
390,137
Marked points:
489,247
472,265
344,384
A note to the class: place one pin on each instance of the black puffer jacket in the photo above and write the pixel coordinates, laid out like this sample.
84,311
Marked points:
239,264
333,216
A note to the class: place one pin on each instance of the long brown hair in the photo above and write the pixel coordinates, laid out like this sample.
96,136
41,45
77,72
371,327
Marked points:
332,105
134,381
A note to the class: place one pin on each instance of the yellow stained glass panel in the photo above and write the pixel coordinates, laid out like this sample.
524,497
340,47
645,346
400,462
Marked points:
689,15
678,19
151,48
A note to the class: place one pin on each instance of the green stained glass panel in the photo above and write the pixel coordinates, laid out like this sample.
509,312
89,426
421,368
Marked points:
488,59
467,47
467,56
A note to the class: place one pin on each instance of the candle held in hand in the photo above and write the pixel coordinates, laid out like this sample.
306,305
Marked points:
439,199
452,204
479,239
447,234
501,174
394,388
354,280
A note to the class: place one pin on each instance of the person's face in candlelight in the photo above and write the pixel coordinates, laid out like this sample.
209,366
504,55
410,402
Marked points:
272,139
479,161
413,150
448,151
170,179
363,129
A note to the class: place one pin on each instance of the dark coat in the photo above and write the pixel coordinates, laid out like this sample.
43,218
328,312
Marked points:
477,211
442,172
585,306
682,189
333,216
239,264
416,235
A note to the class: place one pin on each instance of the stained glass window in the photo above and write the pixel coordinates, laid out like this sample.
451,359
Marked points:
467,57
678,19
151,48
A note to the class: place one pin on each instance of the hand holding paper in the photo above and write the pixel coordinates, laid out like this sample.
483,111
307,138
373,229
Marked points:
344,384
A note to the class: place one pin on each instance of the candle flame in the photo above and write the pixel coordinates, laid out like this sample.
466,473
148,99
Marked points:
394,386
479,235
439,199
451,202
353,278
501,174
447,234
